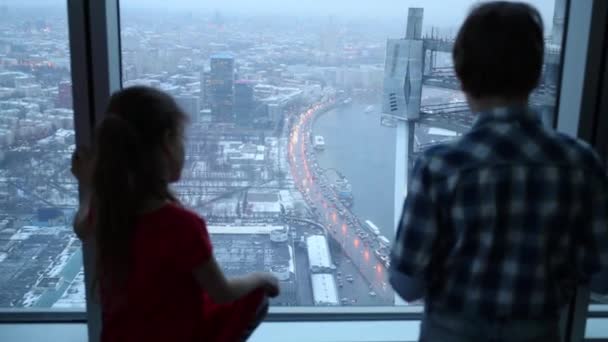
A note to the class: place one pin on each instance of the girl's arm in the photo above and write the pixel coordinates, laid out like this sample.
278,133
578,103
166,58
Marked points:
82,171
83,220
222,290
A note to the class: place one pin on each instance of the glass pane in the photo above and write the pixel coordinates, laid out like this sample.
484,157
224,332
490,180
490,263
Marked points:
290,157
596,329
40,258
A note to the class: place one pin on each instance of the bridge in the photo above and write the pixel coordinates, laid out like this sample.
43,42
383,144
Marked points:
434,44
303,221
455,117
419,69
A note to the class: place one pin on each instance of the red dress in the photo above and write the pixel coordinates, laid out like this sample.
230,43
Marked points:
162,300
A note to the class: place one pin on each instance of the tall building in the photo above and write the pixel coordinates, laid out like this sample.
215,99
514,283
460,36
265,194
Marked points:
559,19
190,104
403,70
204,94
221,87
329,36
244,104
218,20
64,95
414,23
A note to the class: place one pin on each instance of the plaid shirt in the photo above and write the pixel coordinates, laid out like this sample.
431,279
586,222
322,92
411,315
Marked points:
505,221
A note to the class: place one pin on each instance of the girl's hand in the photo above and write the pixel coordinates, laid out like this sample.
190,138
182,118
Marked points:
269,283
82,167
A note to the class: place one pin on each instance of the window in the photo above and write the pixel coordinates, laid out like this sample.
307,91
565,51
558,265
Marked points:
40,258
600,141
294,125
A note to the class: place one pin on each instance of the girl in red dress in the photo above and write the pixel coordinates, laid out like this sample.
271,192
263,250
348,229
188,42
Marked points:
156,274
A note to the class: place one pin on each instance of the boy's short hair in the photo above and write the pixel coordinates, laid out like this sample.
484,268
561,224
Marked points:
499,50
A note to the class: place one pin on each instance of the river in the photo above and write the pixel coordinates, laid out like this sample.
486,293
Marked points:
363,151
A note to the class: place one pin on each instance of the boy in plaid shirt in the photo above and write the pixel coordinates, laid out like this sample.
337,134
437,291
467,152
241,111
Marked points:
500,226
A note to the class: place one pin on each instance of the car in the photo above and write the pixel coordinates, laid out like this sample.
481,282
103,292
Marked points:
372,293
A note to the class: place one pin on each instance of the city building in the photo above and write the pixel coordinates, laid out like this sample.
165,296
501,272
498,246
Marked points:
559,20
204,88
329,39
319,256
9,78
403,70
324,290
363,76
243,249
190,104
262,204
64,96
221,87
244,104
240,153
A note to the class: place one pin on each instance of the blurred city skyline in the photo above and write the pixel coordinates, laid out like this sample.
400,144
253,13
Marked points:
288,154
437,14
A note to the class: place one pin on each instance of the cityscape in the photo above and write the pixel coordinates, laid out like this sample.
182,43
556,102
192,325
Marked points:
290,149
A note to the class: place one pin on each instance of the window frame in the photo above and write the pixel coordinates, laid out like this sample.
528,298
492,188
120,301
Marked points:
81,94
95,50
94,42
579,112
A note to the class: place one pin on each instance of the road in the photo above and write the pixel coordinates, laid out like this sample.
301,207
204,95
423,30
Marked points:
69,272
304,285
343,226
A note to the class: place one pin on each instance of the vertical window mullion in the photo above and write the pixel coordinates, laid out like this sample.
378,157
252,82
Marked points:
95,60
578,105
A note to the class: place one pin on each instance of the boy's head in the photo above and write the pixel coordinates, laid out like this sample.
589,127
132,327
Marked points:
498,53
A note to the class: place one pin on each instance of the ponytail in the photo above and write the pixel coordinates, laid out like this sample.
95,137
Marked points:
129,171
115,192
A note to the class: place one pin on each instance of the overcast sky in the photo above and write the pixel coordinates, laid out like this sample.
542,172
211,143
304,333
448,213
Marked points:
437,12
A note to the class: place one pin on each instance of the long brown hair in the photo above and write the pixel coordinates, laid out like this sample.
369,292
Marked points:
129,171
